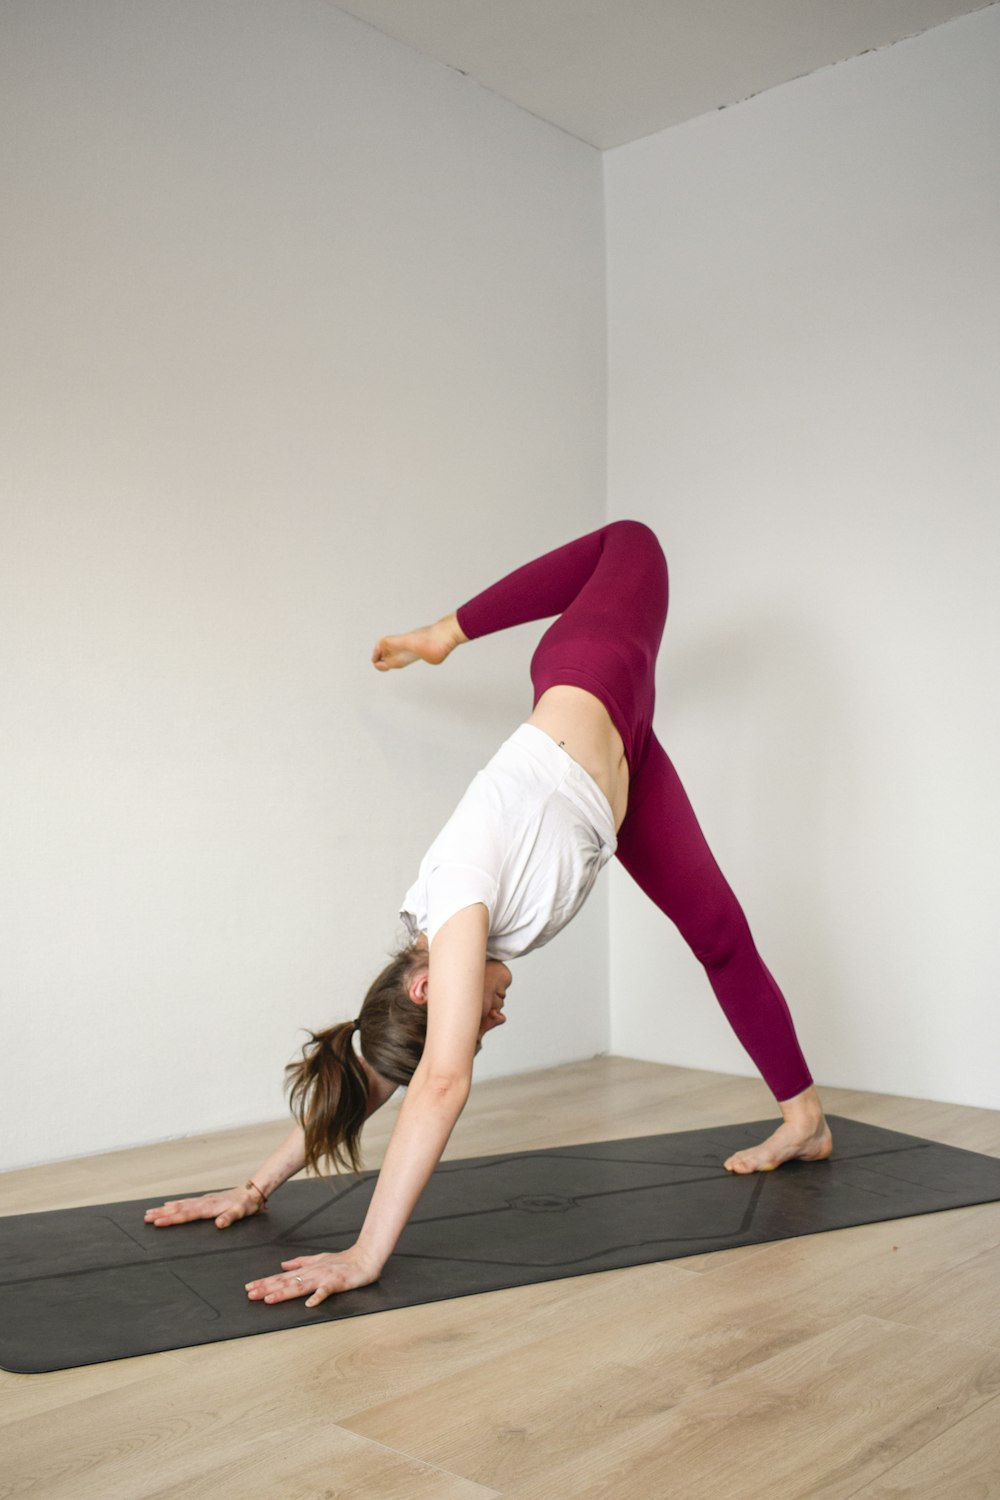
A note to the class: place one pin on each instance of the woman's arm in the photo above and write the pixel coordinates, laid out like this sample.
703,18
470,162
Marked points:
434,1101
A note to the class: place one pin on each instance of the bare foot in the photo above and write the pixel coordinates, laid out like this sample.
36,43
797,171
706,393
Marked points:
804,1136
431,643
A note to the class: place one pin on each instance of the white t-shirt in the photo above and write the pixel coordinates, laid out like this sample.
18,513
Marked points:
528,840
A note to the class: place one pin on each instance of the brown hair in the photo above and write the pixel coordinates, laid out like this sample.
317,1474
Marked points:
328,1086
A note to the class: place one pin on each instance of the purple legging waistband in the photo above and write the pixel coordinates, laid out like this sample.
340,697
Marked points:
610,591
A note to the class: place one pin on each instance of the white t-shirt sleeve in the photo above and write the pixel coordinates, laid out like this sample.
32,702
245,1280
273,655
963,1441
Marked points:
451,887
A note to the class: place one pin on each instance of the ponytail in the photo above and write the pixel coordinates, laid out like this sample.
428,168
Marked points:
328,1094
328,1086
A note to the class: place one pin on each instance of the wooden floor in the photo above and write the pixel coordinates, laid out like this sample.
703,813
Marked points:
862,1363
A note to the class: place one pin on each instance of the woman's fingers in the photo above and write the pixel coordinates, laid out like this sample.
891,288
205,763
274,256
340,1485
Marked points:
224,1208
170,1213
290,1283
287,1287
314,1277
273,1289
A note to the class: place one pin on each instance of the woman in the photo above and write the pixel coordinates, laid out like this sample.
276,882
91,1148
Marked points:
583,779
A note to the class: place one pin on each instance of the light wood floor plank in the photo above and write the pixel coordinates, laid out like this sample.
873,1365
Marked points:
577,1386
962,1464
962,1303
141,1442
697,1334
23,1396
321,1463
815,1422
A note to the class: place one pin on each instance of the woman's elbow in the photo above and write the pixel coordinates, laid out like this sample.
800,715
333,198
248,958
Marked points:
448,1087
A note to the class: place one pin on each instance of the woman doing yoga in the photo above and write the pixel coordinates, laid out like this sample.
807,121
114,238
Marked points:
583,779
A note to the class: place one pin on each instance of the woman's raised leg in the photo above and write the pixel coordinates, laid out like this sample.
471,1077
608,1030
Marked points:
609,590
663,848
549,584
544,587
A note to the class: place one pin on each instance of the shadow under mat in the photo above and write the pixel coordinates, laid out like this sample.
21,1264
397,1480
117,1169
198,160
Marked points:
82,1285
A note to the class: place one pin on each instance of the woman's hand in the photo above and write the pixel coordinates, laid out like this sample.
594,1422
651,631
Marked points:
315,1277
225,1208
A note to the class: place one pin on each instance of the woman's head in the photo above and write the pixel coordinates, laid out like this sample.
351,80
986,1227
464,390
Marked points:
329,1086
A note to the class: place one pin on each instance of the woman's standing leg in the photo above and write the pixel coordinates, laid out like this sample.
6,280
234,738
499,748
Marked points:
663,848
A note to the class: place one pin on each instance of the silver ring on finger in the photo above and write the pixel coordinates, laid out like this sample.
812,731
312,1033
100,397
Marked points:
300,1281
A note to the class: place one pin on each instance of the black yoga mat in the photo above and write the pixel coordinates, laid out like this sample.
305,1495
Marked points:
83,1285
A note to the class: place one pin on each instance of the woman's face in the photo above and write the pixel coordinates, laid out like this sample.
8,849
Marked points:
495,986
496,981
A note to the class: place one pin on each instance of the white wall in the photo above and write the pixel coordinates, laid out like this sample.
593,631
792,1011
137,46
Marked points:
302,342
804,322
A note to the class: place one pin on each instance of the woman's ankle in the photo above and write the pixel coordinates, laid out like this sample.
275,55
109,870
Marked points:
802,1109
456,634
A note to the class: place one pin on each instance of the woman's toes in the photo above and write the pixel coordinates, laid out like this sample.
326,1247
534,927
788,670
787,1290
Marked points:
392,651
745,1162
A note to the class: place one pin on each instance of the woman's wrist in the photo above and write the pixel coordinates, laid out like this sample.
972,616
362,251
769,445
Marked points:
255,1193
370,1261
289,1158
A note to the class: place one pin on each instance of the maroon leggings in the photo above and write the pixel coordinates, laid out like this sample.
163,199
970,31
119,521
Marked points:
609,589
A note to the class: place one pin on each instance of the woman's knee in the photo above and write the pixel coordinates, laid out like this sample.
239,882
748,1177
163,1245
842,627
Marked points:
720,933
639,547
637,533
